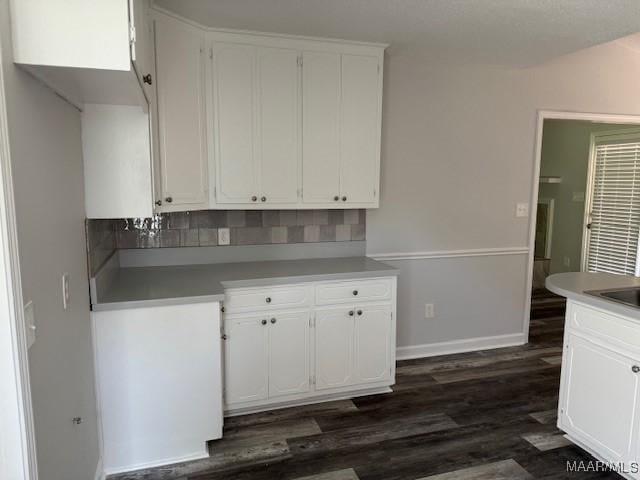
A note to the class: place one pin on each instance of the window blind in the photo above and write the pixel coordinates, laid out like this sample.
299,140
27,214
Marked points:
615,208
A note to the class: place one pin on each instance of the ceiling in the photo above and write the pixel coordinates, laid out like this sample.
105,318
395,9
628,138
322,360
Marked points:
503,32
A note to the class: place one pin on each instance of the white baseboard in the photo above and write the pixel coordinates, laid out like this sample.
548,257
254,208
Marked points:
460,346
99,470
158,463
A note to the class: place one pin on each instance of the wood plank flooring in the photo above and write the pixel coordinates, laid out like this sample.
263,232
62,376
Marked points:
486,415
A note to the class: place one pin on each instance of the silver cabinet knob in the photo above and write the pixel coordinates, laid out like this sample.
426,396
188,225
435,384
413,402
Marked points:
355,293
263,321
148,79
168,199
344,199
351,313
158,202
254,199
273,320
359,312
268,299
635,369
224,336
336,198
263,199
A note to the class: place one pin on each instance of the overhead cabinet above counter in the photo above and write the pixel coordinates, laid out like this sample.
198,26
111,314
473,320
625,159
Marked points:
261,121
236,120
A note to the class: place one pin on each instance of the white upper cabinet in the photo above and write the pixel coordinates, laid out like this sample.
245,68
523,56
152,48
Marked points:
82,50
181,114
321,128
360,129
295,122
255,124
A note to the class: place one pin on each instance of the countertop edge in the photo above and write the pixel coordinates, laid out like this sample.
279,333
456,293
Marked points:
159,302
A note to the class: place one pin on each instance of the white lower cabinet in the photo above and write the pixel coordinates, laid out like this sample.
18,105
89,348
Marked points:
245,359
334,335
599,392
278,357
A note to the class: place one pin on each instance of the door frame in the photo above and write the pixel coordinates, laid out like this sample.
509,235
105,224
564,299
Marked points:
550,202
17,435
588,198
542,115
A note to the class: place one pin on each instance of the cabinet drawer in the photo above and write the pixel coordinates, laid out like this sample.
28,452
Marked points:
268,298
353,291
605,326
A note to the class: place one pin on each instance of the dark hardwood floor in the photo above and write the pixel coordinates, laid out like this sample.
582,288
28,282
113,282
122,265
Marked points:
480,415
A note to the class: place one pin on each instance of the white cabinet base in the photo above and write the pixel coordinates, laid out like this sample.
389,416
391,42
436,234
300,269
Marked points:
276,404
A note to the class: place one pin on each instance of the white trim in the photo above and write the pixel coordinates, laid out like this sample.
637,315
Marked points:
475,252
535,185
99,475
158,463
460,346
17,436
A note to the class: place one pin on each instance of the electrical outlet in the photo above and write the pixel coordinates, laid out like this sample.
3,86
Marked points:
429,311
65,291
577,197
566,261
223,236
522,210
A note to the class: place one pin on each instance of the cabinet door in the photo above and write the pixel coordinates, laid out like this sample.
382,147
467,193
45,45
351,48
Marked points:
246,359
142,47
181,113
278,124
234,122
373,344
334,347
598,398
320,127
288,353
359,129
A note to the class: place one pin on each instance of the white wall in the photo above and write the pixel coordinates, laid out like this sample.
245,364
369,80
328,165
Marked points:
458,154
46,156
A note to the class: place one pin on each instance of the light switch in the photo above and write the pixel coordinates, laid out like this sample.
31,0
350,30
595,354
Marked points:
30,323
65,290
522,210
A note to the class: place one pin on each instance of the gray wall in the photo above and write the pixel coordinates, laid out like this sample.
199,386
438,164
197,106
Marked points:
565,153
458,154
44,134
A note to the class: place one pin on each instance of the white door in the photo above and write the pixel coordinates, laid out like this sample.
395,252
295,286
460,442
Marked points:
359,128
373,344
234,122
599,398
142,47
288,353
183,151
320,127
278,124
334,347
246,359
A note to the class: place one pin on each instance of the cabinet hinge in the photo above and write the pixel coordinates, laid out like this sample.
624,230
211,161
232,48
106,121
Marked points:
374,192
299,60
132,34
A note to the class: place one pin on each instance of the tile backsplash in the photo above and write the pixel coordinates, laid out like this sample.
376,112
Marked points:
201,229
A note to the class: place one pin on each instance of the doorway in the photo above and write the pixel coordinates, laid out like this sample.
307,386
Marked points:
585,197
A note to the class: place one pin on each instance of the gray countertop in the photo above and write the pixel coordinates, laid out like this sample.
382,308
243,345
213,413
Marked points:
171,285
574,285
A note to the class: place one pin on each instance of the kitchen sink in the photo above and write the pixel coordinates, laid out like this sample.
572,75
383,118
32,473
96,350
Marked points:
628,296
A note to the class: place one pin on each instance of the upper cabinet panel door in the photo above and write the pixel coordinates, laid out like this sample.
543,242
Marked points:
142,47
278,124
320,127
183,154
359,128
234,122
